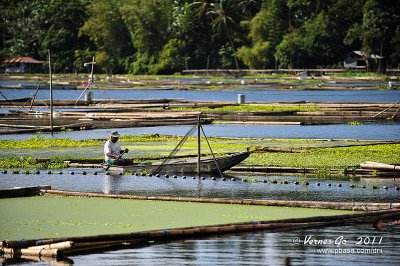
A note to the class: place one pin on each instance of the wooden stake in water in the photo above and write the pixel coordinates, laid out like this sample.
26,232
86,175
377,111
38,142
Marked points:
51,95
198,145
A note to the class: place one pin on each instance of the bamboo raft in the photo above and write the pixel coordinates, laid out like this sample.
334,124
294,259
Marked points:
355,206
22,191
63,246
160,112
357,172
381,166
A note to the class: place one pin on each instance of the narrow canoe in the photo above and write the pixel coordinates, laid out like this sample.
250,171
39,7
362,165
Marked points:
185,166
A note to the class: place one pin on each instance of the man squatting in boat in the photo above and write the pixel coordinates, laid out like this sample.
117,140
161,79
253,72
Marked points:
113,152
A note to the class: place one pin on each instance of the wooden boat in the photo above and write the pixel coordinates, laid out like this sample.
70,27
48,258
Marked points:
186,166
206,165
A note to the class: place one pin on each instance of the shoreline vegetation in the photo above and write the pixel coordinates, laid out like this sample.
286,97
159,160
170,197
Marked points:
319,154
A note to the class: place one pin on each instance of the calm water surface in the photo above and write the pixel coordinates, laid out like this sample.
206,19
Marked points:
227,95
387,131
327,190
261,249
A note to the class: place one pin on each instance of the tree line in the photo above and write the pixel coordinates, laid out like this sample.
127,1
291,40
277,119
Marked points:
167,36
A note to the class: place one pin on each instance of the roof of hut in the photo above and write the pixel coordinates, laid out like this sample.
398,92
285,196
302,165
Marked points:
23,59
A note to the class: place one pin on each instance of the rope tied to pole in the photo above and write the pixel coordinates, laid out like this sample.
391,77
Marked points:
175,150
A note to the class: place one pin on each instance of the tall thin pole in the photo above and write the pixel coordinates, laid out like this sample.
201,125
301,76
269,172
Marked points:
213,155
91,73
3,96
198,145
51,95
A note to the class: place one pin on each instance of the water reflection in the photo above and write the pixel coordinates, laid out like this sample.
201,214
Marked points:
257,248
274,188
111,184
261,248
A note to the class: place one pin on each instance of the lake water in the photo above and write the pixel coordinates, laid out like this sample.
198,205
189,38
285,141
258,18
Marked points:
327,190
386,131
228,95
262,249
256,248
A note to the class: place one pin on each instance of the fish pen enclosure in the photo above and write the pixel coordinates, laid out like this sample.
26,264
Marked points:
56,223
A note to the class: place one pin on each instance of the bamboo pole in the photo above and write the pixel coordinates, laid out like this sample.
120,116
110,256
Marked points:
54,253
32,99
398,109
209,146
380,166
274,149
387,109
198,145
59,246
361,206
3,96
51,94
200,231
23,191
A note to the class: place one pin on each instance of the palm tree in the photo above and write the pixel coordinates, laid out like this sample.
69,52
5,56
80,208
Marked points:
251,7
202,7
201,10
224,15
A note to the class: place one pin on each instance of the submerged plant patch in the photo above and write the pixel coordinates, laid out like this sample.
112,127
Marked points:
40,217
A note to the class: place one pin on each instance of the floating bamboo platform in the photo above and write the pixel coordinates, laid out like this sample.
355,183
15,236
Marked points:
362,173
381,166
161,112
357,206
374,213
23,191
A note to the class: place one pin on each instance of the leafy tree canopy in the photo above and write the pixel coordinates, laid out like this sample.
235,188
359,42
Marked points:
167,36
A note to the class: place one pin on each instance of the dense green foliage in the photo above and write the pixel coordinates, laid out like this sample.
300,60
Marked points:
166,36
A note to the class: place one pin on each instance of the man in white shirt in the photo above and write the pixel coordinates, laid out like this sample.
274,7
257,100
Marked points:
112,150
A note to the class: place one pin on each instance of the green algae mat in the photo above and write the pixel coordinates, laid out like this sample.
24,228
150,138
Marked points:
49,216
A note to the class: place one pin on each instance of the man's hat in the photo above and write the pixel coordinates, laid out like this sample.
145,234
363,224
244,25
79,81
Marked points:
115,134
